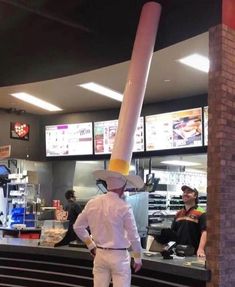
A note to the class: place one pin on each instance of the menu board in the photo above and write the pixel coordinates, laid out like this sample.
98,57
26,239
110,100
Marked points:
205,125
69,139
105,132
174,130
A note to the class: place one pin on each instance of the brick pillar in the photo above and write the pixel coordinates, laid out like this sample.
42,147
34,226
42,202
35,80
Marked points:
221,157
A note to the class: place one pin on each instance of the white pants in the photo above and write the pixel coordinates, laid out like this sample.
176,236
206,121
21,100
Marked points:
112,264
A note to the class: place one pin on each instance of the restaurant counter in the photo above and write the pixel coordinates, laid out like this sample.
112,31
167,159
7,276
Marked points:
24,263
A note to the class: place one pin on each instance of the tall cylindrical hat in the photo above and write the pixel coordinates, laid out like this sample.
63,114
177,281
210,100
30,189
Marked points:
133,97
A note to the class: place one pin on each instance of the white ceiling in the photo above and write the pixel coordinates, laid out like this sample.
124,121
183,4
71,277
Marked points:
64,92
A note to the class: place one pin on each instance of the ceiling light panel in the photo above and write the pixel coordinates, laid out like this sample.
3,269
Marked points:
180,163
36,102
104,91
196,61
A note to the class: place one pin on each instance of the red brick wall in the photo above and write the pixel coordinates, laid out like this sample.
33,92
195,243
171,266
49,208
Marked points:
221,157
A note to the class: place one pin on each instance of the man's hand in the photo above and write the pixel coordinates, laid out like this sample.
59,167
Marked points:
201,253
202,244
93,252
137,266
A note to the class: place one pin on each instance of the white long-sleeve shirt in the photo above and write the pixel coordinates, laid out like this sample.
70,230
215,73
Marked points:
111,222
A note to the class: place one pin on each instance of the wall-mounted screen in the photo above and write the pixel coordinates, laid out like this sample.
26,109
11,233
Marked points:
205,109
105,132
4,170
69,139
174,130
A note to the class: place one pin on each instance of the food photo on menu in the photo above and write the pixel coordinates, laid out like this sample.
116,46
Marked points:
99,139
105,132
111,137
174,130
187,128
159,133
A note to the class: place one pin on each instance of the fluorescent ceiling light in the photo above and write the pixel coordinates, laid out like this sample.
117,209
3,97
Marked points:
180,162
36,102
102,91
195,170
196,61
89,162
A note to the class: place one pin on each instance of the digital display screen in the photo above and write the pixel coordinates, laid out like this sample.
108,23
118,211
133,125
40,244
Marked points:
174,130
205,125
105,132
4,170
69,139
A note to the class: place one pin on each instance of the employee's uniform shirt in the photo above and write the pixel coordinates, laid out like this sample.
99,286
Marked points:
73,209
112,225
189,225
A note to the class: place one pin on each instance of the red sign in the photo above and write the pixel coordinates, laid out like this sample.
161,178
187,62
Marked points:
228,12
19,131
5,151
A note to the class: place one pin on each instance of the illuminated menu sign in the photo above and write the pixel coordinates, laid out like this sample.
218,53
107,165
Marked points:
174,130
69,139
105,132
205,125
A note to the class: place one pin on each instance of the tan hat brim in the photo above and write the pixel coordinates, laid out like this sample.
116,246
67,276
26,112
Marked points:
133,181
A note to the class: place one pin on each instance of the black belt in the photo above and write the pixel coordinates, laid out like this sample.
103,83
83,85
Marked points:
111,248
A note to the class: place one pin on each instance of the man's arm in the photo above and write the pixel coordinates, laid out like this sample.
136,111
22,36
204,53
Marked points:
203,238
80,228
202,244
134,238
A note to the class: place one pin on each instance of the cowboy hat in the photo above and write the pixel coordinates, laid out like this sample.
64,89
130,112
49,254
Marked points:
117,180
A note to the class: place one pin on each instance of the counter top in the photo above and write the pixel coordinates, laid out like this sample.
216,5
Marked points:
189,267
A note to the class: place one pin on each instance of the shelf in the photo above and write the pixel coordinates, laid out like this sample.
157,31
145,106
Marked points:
21,204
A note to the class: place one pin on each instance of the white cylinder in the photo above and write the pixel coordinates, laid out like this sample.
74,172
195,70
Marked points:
136,84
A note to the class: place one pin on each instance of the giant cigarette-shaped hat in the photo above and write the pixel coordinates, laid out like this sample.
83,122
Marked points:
118,169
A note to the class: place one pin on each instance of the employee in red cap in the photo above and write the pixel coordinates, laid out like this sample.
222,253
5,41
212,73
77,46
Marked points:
190,222
113,231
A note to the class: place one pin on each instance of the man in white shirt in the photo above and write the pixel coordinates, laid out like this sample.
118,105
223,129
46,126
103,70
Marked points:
113,231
